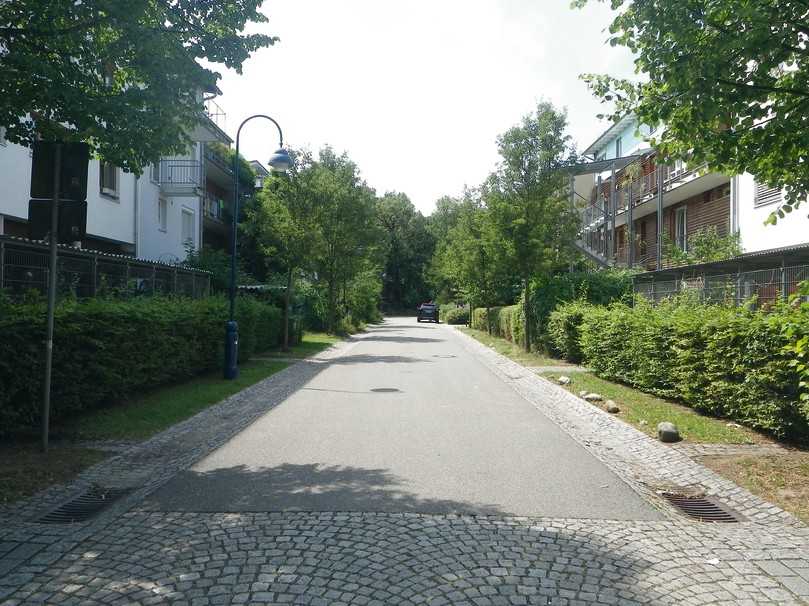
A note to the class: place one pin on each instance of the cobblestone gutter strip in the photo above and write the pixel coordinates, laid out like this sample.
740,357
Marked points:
145,466
381,559
644,463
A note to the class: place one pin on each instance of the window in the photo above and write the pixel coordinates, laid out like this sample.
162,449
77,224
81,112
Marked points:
162,213
766,194
680,232
188,227
618,148
109,179
155,172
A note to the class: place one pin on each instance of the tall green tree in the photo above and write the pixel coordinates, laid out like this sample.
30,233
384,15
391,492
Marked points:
730,80
281,226
526,198
124,77
348,235
408,247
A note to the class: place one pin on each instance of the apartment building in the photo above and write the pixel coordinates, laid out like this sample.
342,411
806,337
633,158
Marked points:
634,209
176,205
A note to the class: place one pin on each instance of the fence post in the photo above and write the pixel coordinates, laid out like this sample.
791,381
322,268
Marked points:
94,272
175,280
126,281
154,279
784,285
738,286
2,264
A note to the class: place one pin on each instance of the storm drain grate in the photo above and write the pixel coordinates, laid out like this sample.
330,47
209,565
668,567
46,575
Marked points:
701,508
85,506
386,390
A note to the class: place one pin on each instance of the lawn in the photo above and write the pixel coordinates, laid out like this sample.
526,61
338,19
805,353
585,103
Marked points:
313,343
24,470
645,411
782,479
511,350
155,411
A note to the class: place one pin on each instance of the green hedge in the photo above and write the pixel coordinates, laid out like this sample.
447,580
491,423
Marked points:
729,362
505,322
452,314
563,329
106,350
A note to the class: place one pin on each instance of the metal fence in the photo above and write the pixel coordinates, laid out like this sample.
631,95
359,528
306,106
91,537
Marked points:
757,287
24,267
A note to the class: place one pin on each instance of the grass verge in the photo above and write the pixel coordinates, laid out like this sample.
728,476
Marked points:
511,350
312,343
645,411
25,470
782,479
151,413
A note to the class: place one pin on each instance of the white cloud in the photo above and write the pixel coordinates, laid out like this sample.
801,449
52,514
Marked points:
417,92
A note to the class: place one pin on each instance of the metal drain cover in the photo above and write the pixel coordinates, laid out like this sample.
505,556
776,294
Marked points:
386,390
701,508
447,356
85,506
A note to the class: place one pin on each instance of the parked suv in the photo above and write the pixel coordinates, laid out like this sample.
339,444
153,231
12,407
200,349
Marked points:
428,311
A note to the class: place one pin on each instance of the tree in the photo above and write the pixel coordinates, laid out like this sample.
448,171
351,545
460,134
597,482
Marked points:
471,258
347,235
408,248
124,77
728,78
526,197
280,224
439,223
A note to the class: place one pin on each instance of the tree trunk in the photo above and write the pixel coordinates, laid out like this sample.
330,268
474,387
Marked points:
526,315
332,307
287,298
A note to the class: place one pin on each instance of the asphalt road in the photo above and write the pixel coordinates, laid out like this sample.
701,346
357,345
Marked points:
405,420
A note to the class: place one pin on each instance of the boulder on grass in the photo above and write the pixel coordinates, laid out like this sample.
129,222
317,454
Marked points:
582,393
563,380
612,407
667,432
593,397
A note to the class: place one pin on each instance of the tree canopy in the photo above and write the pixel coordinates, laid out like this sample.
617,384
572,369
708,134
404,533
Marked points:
124,77
728,78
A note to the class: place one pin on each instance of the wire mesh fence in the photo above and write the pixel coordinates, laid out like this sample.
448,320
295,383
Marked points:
756,287
24,267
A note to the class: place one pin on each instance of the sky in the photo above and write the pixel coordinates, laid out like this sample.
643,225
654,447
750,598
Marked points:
416,92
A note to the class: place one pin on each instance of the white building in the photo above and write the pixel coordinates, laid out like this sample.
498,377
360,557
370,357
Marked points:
157,216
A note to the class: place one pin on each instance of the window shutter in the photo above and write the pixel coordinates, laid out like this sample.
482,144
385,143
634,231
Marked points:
766,194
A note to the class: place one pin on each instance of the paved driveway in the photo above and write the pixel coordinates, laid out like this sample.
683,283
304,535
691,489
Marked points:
405,421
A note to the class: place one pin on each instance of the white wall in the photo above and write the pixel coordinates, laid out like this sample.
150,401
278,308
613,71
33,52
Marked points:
15,176
109,217
167,245
755,235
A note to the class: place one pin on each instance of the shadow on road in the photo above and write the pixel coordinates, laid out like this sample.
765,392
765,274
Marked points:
301,487
401,339
371,359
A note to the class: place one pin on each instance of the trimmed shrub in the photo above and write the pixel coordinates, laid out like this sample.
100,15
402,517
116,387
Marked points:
452,314
729,362
106,350
563,330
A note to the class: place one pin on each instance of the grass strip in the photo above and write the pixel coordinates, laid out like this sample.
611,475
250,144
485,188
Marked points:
512,350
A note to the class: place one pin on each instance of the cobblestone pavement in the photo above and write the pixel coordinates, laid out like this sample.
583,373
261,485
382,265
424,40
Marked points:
129,555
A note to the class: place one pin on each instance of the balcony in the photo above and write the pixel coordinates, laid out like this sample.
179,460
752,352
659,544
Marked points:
214,208
180,177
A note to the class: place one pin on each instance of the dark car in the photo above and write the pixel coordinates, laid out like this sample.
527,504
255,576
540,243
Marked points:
428,311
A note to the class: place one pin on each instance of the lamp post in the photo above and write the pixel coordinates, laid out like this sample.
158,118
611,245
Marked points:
279,162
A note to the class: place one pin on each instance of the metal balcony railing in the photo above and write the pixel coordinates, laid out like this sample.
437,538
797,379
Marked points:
180,173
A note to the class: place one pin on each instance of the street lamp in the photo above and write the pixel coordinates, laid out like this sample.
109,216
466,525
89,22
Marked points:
279,162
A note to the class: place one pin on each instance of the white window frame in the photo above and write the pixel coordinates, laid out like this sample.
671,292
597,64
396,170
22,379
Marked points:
681,224
103,186
766,195
187,214
162,214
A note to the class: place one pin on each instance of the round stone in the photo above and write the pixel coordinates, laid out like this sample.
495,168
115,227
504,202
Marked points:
667,432
563,380
612,407
594,397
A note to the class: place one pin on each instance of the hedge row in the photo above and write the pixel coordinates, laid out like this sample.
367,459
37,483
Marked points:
106,350
728,362
505,322
452,314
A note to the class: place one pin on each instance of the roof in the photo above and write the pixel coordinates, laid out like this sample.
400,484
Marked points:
600,166
609,135
797,254
260,169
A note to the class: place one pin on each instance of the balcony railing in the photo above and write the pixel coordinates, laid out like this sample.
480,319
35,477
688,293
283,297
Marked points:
183,174
213,207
